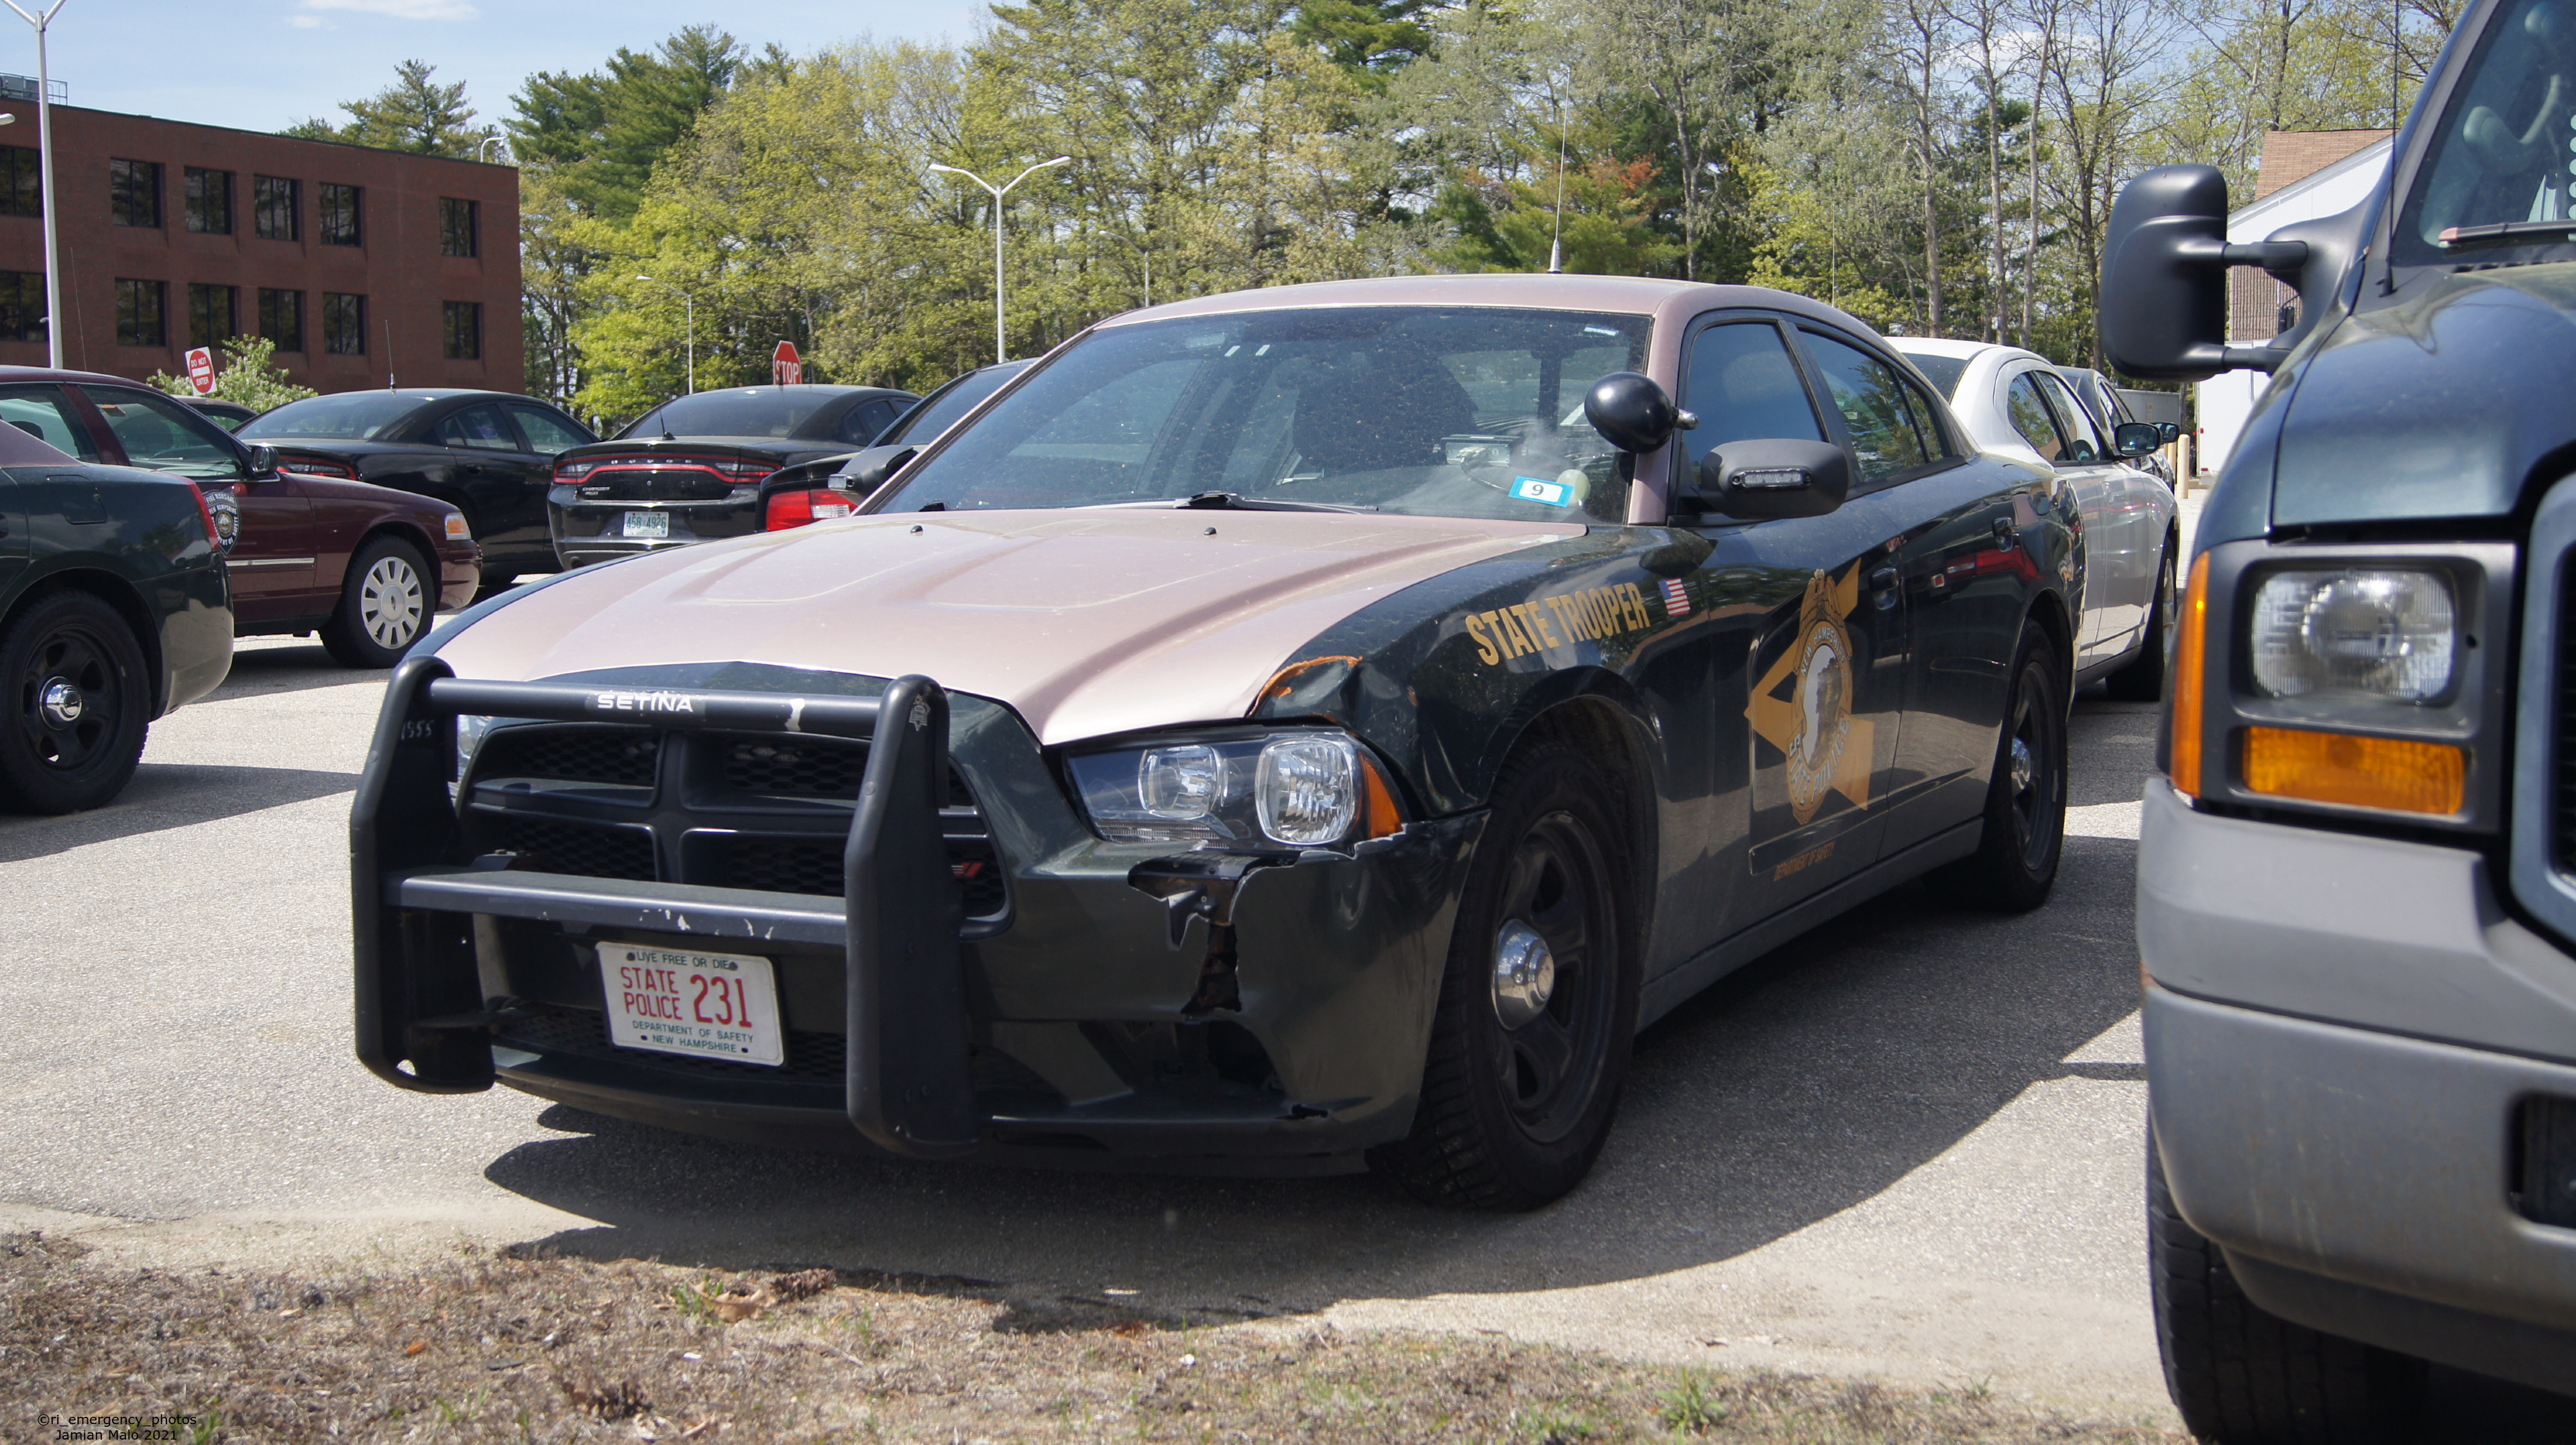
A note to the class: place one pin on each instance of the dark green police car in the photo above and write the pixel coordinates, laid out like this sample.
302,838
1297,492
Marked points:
1279,732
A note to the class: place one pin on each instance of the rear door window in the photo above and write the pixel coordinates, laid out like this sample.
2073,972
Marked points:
43,412
478,427
547,432
1743,385
159,433
2085,444
1887,426
2030,416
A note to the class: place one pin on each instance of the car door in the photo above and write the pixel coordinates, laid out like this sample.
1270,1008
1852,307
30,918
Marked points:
1822,691
2115,594
270,566
506,483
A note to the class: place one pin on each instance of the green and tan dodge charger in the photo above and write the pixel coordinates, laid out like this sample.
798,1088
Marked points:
1288,732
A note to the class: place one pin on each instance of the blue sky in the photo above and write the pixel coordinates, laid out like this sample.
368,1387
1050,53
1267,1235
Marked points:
264,64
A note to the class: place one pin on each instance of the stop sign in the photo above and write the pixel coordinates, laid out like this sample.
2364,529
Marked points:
201,370
783,365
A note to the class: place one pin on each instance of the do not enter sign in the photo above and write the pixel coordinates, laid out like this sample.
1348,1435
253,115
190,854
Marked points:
201,370
784,367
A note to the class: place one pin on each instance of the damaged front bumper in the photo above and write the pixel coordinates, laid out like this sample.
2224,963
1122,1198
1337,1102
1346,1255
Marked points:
1096,1004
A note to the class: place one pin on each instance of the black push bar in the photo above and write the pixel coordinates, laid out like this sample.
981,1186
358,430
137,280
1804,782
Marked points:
416,893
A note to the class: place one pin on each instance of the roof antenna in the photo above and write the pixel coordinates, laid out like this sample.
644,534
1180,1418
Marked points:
389,351
1556,242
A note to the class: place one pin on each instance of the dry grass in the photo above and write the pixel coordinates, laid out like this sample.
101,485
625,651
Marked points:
501,1348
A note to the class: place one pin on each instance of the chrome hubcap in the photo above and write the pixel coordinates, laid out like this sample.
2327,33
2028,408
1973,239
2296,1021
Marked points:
60,702
389,603
2023,769
1524,974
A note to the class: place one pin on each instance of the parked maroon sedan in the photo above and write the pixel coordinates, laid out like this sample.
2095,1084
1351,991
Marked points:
364,566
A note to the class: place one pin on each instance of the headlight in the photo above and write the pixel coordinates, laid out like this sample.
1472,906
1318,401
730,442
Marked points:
2368,633
1307,789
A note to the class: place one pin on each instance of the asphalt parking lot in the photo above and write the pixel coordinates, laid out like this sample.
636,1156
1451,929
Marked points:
1908,1144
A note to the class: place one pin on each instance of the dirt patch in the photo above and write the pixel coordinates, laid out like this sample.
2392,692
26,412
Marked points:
502,1347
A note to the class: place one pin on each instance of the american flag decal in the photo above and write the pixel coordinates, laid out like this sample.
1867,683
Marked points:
1676,599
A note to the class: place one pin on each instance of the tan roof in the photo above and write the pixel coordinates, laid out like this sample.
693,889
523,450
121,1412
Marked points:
1630,295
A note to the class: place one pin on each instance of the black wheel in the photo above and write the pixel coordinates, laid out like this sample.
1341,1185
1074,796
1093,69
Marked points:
2144,679
2241,1375
78,704
2016,860
1538,1003
385,605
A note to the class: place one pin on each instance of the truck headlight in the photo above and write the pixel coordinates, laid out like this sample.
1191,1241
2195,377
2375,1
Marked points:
2384,633
1311,788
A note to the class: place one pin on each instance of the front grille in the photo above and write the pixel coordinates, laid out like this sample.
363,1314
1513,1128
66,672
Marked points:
591,851
796,770
584,1034
752,812
576,755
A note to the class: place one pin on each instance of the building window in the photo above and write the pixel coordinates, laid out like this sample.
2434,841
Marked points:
339,215
138,313
210,314
455,227
281,318
274,198
22,182
134,192
209,200
344,324
464,330
22,306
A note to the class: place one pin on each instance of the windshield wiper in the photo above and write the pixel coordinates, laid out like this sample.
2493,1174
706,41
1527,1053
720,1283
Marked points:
2503,233
1238,502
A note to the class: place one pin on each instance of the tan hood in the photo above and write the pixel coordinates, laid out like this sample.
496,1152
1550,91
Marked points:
1086,622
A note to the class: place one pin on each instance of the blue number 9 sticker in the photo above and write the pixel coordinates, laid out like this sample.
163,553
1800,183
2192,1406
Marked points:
1542,491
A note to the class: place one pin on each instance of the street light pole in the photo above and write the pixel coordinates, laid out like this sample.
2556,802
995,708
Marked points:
491,137
45,167
688,313
1000,341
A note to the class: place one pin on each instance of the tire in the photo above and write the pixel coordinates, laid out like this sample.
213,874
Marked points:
2025,834
79,700
2241,1375
2144,679
385,605
1512,1116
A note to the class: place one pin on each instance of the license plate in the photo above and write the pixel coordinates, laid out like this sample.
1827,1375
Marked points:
704,1005
648,524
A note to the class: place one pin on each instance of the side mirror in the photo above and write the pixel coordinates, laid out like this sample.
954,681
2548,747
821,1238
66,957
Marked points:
263,462
1631,411
2167,433
871,468
1765,480
2137,438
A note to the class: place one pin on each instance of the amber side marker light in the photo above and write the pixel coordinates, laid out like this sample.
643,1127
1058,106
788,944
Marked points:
2190,649
1379,816
2391,773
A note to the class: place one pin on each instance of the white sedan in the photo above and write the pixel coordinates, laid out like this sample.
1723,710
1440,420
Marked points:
2014,403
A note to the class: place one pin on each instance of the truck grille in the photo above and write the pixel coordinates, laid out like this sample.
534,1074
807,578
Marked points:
730,811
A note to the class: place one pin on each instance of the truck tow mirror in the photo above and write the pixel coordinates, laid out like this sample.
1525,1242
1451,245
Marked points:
1632,411
2164,278
1771,478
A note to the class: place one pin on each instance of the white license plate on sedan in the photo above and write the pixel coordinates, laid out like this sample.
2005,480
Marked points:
648,524
705,1005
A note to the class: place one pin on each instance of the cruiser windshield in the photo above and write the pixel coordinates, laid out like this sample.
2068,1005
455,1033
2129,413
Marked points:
1420,410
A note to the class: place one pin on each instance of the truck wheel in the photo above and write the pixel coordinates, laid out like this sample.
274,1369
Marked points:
2241,1375
78,704
1530,1045
2016,860
384,606
2144,679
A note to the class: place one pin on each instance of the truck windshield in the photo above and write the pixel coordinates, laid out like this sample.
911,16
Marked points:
1451,412
2497,172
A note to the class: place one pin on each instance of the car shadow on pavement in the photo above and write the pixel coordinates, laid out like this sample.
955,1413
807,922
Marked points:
275,665
167,795
1807,1083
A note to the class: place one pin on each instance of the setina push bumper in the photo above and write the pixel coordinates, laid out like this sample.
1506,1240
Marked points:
933,954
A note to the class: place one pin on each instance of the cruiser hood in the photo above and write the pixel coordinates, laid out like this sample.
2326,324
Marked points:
1087,622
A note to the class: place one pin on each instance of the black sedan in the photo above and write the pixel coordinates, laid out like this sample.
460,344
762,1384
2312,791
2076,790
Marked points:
485,453
833,486
704,466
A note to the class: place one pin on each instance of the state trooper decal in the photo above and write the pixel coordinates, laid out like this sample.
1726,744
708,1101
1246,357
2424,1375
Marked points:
1803,705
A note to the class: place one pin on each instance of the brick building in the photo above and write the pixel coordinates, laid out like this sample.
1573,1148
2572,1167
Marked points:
359,263
2289,157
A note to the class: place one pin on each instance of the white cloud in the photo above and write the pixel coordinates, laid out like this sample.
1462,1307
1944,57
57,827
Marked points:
397,9
310,22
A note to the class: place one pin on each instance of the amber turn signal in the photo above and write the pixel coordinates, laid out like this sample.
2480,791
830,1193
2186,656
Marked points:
2190,653
1379,816
2392,773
